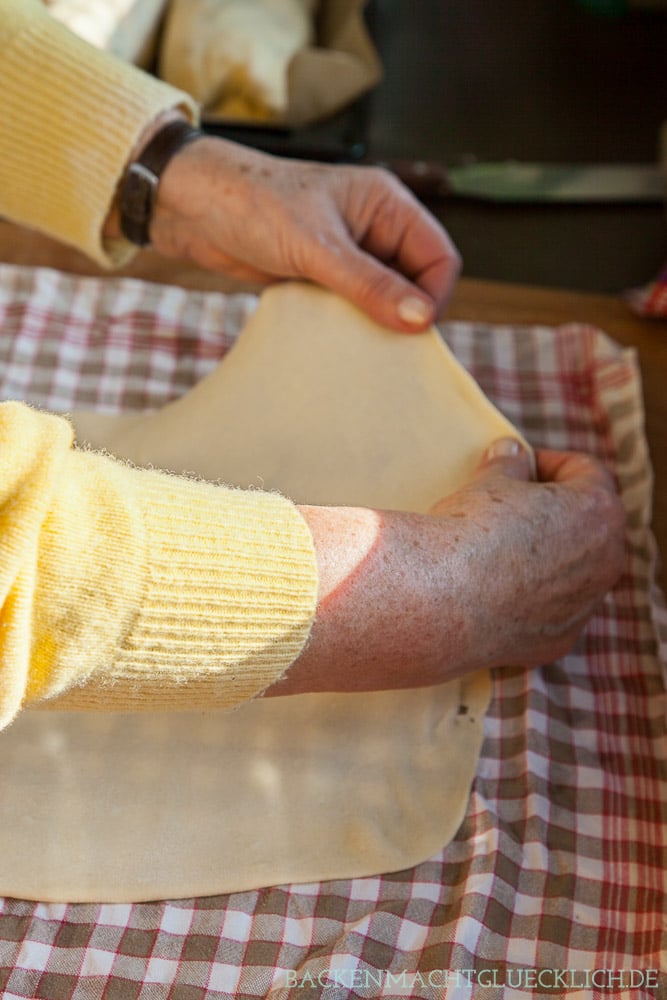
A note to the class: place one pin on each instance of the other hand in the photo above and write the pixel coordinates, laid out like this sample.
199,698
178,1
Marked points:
504,572
356,230
541,555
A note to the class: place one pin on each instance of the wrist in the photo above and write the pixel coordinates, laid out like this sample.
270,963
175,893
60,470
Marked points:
131,213
139,188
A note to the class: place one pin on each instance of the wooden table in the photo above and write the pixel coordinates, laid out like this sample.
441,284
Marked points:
485,301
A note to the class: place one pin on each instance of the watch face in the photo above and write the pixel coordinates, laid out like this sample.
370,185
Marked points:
136,202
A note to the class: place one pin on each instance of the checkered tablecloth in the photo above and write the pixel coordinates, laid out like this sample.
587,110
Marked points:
555,883
650,300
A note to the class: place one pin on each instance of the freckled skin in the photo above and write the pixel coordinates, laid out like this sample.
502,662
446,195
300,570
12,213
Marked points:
476,583
353,229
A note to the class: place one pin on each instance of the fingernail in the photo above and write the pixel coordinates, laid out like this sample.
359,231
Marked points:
504,448
414,311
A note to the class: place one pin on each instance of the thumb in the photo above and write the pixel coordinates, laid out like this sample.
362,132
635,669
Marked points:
378,290
508,456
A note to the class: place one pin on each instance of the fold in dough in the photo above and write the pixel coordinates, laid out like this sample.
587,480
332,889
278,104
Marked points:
320,402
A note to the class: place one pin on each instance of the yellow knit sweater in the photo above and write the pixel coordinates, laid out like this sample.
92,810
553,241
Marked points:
122,588
71,116
119,588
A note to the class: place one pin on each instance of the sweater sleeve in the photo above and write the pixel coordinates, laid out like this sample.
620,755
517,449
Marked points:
129,589
71,118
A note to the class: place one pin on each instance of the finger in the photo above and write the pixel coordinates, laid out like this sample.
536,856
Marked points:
574,468
508,456
385,295
390,223
417,247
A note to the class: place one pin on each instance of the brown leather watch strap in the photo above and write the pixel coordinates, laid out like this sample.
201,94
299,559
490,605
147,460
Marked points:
140,182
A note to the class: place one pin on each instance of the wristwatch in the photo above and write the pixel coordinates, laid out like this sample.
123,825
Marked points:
139,186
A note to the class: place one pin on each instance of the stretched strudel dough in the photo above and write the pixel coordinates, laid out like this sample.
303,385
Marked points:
317,400
321,403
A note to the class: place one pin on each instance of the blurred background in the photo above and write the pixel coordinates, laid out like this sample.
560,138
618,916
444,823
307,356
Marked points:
570,81
535,80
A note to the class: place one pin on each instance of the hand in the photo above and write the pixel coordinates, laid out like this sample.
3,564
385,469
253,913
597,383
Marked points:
505,572
541,554
258,218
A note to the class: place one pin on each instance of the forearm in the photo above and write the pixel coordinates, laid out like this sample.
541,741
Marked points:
502,572
131,589
392,607
72,116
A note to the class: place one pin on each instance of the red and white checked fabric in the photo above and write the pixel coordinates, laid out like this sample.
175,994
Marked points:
650,300
555,883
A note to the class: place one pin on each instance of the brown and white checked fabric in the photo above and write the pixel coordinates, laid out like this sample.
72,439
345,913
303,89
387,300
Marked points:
650,300
558,869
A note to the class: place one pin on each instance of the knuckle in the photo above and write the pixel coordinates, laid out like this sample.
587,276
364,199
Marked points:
603,507
385,184
382,176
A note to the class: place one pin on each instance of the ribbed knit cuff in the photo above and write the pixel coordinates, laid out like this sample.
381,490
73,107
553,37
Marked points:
228,601
72,559
71,117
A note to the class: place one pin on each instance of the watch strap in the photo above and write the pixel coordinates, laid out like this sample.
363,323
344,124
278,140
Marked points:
140,181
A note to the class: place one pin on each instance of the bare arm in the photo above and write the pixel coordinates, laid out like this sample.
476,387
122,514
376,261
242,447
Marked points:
503,572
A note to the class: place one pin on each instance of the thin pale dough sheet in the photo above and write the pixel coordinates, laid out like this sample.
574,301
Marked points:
318,401
321,403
